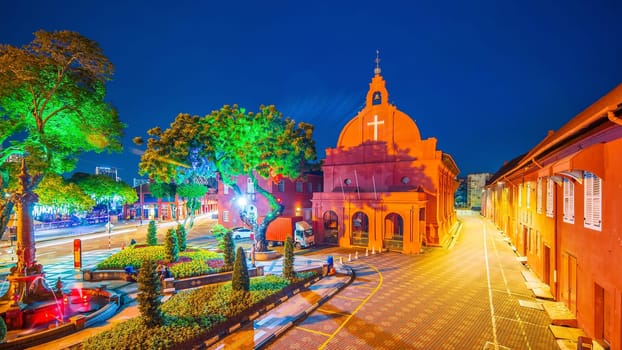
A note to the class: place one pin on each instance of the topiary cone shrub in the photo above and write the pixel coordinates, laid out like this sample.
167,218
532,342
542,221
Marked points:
152,239
228,251
149,294
240,280
288,259
182,236
171,246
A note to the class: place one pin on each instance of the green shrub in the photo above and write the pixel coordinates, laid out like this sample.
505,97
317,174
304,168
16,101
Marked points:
3,329
182,236
171,246
152,231
288,259
149,294
228,250
240,279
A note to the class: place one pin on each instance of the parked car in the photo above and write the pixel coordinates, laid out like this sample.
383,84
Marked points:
241,232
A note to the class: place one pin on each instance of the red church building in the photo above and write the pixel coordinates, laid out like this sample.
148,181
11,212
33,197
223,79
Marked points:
384,186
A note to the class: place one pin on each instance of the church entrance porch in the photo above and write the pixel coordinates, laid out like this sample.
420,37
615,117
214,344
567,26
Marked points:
360,229
331,227
393,232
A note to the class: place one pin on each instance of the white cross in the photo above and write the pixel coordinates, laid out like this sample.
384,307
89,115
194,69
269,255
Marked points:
375,123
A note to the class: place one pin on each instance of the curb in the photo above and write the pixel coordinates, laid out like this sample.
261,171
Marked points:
301,316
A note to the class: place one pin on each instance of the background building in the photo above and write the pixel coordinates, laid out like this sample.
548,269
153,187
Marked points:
476,183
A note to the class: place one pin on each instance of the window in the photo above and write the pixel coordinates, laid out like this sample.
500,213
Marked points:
592,194
319,188
528,196
282,186
225,216
226,189
549,197
520,195
377,98
568,201
309,187
298,186
539,196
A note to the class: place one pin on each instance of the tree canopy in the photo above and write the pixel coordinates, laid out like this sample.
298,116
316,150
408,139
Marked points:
105,190
55,191
232,143
52,106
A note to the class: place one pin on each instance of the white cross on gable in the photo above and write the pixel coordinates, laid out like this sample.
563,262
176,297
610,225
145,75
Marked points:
375,123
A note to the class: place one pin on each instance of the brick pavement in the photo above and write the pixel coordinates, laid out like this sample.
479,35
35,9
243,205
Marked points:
466,297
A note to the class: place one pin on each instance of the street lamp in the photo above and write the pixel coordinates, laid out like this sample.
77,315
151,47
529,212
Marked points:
109,226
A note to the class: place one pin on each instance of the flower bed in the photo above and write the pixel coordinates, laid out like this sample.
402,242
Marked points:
194,315
191,263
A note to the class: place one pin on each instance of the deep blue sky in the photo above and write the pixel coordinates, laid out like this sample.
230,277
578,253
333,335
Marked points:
488,79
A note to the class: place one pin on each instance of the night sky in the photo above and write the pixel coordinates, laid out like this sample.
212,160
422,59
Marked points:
488,79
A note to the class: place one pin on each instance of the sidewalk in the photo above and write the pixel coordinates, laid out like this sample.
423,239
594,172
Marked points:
261,331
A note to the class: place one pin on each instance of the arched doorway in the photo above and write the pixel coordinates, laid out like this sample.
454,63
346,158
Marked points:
360,229
331,227
393,232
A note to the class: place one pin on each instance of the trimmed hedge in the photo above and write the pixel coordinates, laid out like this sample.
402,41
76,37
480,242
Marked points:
190,316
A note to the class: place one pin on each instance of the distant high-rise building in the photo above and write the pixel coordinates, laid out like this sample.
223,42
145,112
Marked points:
108,171
475,185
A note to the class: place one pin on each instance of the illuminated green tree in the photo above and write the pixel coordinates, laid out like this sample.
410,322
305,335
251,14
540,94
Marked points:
233,143
192,192
105,189
56,192
52,107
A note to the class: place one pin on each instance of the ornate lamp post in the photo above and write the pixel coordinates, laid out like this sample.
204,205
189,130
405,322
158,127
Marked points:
26,280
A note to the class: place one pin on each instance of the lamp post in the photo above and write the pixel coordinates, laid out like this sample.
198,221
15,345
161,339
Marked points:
109,226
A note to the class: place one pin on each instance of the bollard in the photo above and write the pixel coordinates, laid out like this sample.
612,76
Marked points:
356,255
122,245
380,250
350,257
366,251
373,250
341,260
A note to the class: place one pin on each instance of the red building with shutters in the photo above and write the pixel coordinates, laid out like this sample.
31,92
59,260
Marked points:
560,206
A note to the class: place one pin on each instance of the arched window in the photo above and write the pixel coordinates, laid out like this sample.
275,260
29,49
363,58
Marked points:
331,227
360,229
